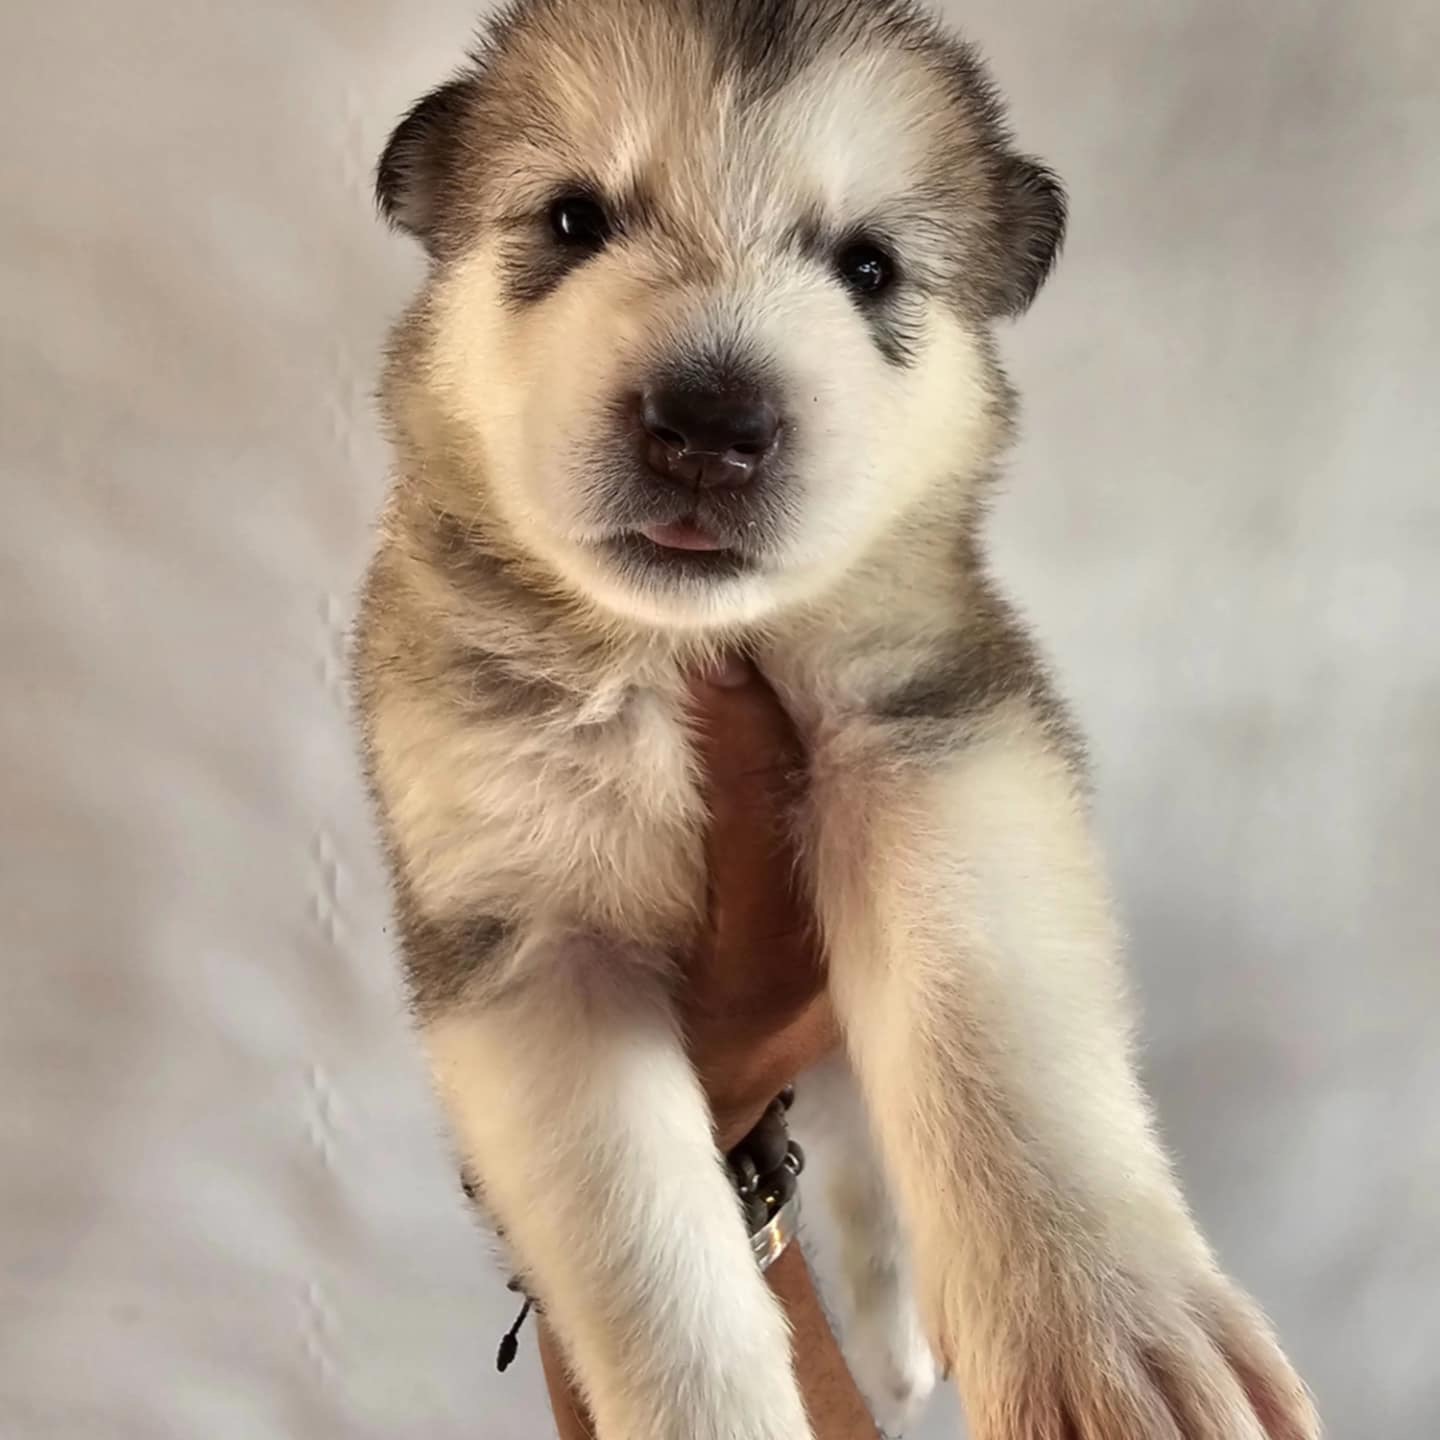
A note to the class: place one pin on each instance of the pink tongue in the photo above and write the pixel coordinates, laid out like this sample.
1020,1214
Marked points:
681,536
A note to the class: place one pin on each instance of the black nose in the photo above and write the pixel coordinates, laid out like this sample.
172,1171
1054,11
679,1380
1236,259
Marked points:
707,438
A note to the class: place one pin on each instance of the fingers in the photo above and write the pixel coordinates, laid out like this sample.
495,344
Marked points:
752,759
754,1003
745,738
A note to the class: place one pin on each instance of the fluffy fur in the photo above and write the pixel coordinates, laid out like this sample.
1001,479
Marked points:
521,662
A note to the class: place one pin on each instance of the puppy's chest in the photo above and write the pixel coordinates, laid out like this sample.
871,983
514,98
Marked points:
595,818
592,818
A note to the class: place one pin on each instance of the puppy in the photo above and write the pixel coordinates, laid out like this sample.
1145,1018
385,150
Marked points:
703,359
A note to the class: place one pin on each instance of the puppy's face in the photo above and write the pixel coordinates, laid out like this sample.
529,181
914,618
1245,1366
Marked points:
712,286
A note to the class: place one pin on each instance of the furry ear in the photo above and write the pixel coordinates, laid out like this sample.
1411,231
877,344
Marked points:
413,173
1032,209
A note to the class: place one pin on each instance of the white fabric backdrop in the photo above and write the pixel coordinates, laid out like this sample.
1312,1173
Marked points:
224,1206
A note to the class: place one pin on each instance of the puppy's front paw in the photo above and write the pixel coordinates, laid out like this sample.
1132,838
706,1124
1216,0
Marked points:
891,1360
1132,1363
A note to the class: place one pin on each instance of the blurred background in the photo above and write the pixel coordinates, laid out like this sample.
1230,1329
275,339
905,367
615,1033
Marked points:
226,1208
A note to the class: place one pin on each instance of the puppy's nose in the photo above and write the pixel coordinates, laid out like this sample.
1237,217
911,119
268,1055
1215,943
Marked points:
705,438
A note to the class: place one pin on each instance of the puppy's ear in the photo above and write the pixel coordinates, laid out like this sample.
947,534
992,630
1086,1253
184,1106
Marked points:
414,173
1032,211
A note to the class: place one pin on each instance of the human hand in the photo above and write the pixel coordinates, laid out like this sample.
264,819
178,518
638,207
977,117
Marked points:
753,1002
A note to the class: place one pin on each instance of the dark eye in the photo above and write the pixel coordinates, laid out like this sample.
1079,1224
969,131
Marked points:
580,222
865,268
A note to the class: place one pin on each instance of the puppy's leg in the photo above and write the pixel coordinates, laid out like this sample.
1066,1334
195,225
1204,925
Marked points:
884,1340
578,1112
973,964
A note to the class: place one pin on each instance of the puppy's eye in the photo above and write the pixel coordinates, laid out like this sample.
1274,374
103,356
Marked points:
865,268
579,222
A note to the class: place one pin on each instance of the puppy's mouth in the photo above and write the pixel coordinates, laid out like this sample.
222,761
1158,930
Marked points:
681,549
686,535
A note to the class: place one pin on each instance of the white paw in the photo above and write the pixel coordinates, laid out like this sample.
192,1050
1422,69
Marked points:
891,1362
1191,1363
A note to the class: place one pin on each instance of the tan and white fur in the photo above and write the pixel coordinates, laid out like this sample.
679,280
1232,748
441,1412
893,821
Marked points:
521,667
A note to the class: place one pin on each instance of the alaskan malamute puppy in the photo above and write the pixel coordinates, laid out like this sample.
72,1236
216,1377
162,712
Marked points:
703,359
